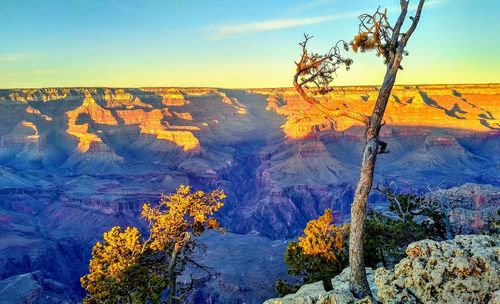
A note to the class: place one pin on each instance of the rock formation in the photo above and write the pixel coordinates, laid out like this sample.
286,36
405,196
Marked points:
316,294
32,288
463,270
93,156
471,206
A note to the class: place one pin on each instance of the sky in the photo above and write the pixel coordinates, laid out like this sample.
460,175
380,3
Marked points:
230,43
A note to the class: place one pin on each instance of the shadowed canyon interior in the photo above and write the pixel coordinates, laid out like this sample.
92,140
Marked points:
76,161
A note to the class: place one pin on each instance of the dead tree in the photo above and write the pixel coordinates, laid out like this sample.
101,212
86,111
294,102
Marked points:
391,192
445,202
389,42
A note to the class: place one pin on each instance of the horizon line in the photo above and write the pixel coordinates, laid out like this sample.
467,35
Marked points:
240,88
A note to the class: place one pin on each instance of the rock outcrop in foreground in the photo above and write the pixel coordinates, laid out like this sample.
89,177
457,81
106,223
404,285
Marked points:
463,270
316,294
75,162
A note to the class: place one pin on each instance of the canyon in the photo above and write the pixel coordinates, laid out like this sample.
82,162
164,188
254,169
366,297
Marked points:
76,161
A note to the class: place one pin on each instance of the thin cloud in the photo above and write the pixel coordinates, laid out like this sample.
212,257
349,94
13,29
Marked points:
230,30
428,4
436,2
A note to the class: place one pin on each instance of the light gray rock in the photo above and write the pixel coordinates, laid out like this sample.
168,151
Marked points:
463,270
316,294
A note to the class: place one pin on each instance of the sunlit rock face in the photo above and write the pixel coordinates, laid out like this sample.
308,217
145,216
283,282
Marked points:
76,161
465,107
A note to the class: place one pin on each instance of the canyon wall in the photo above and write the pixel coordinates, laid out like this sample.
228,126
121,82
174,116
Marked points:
76,161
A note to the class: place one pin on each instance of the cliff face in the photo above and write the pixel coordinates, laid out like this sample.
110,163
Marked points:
93,156
33,288
465,107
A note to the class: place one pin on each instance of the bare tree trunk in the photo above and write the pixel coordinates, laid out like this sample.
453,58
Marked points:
359,283
447,227
172,284
318,70
445,210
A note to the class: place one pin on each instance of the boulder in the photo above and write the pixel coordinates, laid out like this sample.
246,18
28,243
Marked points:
315,293
463,270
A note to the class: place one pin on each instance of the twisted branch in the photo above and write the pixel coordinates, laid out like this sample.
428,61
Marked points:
375,32
319,70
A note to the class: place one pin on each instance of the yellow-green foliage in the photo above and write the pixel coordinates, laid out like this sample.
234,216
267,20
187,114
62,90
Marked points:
119,251
322,237
117,273
126,269
179,215
319,255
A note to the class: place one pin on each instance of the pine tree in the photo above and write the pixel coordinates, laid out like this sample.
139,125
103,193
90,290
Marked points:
125,269
319,255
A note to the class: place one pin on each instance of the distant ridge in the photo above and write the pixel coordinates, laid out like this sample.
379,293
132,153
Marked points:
245,88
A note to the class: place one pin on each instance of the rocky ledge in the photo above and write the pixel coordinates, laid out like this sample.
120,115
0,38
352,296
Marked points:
33,288
463,270
316,294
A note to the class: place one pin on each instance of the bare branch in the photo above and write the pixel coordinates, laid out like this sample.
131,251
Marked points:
399,24
375,33
318,70
198,265
413,26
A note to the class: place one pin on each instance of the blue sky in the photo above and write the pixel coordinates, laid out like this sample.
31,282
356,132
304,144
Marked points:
224,43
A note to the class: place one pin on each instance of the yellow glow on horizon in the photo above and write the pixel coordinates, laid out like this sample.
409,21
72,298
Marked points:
367,70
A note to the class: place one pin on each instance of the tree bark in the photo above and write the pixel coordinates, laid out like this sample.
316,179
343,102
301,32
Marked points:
308,65
445,210
359,283
172,284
